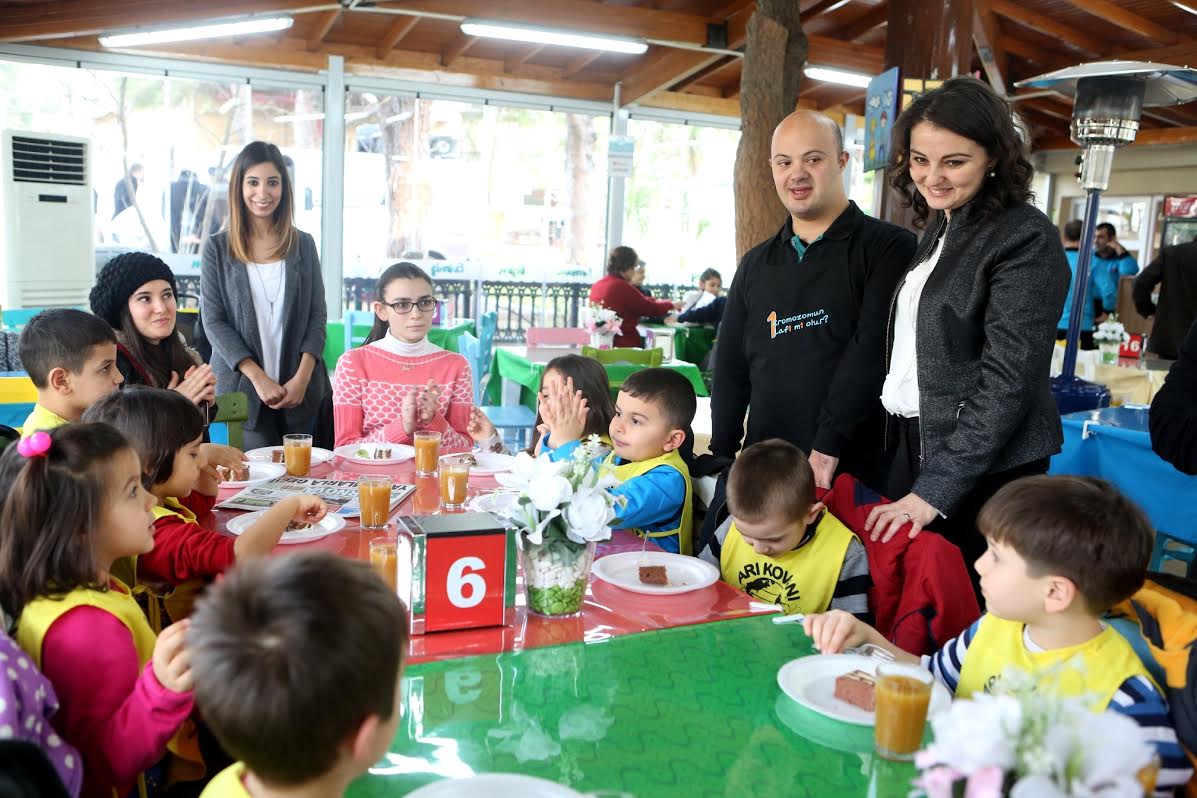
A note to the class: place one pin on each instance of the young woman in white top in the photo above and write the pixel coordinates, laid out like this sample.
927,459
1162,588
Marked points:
263,303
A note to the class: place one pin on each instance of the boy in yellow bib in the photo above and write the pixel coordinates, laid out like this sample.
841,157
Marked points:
652,413
780,545
1062,551
297,663
71,358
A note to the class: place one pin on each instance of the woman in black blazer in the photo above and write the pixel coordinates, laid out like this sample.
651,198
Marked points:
973,322
263,302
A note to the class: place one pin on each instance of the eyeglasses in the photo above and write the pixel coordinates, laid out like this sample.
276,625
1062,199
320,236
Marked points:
426,304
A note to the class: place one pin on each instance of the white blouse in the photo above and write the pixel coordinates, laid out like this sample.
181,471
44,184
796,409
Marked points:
900,393
267,287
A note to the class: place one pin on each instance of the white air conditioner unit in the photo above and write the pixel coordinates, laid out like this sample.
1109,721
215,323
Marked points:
47,257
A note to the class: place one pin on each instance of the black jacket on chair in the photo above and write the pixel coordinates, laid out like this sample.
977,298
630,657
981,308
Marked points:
986,328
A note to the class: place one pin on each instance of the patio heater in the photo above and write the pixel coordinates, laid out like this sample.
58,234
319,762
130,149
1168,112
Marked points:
1109,98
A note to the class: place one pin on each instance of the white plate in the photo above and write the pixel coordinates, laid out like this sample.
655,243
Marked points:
329,524
684,573
258,472
811,682
487,462
264,454
494,502
399,453
494,785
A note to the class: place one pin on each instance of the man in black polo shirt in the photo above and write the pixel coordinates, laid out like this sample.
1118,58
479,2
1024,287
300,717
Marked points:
802,344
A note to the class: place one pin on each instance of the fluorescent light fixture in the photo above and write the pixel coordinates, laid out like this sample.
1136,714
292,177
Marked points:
534,34
1184,7
828,75
206,30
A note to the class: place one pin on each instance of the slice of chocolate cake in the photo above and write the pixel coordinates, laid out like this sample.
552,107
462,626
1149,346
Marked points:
653,575
278,455
857,689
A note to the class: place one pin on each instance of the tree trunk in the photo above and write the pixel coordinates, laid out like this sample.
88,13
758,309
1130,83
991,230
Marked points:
772,72
405,147
579,153
122,118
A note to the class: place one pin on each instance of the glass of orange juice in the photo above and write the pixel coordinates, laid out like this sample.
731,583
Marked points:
374,497
428,452
297,450
384,558
427,499
903,695
455,476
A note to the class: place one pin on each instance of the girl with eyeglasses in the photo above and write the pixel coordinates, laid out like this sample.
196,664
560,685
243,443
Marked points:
263,302
400,382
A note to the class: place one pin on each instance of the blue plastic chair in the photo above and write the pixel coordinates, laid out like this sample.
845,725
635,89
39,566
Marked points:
516,419
358,317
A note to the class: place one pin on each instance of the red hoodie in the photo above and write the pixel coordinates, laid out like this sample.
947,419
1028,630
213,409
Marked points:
617,294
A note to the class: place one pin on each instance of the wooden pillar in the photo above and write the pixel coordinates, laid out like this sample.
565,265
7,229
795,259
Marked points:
927,40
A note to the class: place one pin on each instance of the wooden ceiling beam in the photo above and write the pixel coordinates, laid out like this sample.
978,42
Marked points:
1146,138
825,51
458,47
1032,19
321,27
1183,54
867,23
581,62
1030,52
399,29
522,57
737,7
737,29
987,38
692,103
1114,14
660,70
821,7
69,18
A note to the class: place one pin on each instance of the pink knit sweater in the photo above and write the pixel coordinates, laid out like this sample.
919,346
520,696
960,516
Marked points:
371,381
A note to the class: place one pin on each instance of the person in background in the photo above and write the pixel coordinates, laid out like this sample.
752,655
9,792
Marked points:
968,393
1173,418
263,302
1176,267
616,292
125,190
1071,236
710,287
1111,262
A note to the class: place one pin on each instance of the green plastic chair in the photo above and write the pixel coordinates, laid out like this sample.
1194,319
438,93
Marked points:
232,410
625,356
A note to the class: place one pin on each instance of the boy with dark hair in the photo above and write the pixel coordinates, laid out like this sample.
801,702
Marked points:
652,413
71,358
297,663
780,545
1062,551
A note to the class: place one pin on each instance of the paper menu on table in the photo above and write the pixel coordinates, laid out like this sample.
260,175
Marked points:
339,494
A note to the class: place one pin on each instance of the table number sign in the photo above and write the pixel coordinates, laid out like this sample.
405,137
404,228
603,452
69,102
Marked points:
1133,347
456,571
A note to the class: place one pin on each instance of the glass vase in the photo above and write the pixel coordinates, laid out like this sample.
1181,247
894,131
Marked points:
1109,353
555,576
602,340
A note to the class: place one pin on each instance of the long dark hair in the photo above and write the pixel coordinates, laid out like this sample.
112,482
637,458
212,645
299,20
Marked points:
283,219
968,108
396,271
49,507
590,378
157,361
157,422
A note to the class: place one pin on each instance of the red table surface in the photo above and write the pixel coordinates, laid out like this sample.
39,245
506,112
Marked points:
607,611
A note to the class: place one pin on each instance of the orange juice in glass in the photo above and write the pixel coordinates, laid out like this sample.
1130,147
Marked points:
455,476
428,452
374,497
427,498
384,558
903,695
297,451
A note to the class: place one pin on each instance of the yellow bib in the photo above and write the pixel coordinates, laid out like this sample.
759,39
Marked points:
801,580
41,419
227,783
172,506
673,460
1101,664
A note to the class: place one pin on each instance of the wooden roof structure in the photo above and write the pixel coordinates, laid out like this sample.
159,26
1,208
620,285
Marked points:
690,64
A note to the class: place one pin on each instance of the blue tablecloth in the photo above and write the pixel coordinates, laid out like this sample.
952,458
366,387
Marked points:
1118,450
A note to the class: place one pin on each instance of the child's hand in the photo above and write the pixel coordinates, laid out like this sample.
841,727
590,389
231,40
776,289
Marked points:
428,403
308,509
834,631
216,454
479,426
171,663
570,409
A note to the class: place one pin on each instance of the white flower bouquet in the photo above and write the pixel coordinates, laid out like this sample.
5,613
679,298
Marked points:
602,323
564,508
1111,331
1022,743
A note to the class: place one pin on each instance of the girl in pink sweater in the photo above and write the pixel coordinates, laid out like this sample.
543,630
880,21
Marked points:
399,382
73,504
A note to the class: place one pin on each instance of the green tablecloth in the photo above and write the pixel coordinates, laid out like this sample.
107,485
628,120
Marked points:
686,712
512,364
690,344
444,336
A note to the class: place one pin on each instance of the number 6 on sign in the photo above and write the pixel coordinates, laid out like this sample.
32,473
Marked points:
462,582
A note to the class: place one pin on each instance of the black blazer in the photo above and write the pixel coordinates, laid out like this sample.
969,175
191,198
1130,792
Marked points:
986,328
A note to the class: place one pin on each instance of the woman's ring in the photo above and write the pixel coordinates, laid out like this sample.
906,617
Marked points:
908,518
